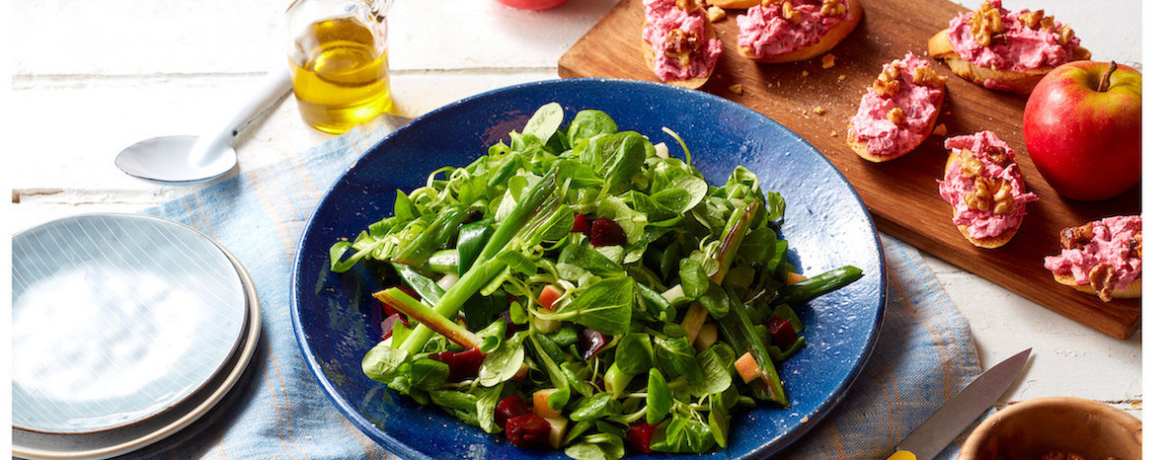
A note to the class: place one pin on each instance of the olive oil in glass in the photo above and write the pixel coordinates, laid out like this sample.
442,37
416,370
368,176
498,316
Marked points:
338,64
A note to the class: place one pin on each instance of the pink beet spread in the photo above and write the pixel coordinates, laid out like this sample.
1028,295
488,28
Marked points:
1021,49
662,16
764,31
919,102
955,186
1110,245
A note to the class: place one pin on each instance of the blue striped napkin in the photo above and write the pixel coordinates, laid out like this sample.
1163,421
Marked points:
923,356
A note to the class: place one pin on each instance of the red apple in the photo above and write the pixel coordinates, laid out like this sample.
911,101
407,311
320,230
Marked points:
1083,129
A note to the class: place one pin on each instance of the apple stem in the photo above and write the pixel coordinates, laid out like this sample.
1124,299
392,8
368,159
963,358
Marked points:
1103,85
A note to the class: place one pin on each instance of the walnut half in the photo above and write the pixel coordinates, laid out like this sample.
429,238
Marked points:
889,82
985,23
833,8
1102,278
991,194
680,44
1076,237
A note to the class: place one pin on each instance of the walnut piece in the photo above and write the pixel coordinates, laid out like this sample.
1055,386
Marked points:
715,13
1076,237
940,130
833,8
889,82
680,44
1135,245
1064,35
897,116
1032,19
926,76
1103,279
689,6
790,13
736,88
998,155
986,22
828,61
991,194
971,166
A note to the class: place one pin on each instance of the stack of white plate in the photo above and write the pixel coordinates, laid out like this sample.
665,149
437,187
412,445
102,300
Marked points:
126,329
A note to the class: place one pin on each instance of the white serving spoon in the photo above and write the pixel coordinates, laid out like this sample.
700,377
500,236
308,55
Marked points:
189,159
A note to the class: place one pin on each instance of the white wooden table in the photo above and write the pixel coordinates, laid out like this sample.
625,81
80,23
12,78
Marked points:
90,77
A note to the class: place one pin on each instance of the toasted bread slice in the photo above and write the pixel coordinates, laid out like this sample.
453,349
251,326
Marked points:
691,83
828,41
940,47
734,4
860,146
1133,291
985,243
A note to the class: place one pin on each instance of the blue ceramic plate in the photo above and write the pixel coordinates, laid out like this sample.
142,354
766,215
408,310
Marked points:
826,226
117,318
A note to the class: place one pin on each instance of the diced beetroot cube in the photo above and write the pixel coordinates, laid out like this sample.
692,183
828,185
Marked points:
388,324
580,224
640,435
461,365
783,334
509,408
606,232
528,430
592,341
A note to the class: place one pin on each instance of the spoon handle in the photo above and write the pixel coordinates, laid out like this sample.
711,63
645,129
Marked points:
276,84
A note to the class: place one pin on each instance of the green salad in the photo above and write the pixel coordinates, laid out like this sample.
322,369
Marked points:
578,288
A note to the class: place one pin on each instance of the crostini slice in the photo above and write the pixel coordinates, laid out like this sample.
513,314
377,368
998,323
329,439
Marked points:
898,111
679,42
778,31
1101,258
985,189
1003,50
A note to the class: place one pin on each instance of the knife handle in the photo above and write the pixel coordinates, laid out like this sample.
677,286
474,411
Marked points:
902,455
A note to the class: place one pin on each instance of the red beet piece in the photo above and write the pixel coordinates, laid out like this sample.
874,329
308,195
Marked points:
606,232
461,365
640,434
783,334
388,324
528,430
580,224
509,408
591,342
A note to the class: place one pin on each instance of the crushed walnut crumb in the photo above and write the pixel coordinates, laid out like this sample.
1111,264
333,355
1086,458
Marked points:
790,12
828,61
680,44
939,130
832,134
736,88
819,110
985,23
926,76
841,78
1064,35
1103,279
804,73
833,8
689,6
897,116
715,13
888,83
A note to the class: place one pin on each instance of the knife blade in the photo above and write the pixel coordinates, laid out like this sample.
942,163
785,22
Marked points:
960,411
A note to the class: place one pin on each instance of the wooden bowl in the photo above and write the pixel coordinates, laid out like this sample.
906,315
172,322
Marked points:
1033,428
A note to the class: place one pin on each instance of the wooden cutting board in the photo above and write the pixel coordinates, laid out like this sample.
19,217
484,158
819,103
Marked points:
815,100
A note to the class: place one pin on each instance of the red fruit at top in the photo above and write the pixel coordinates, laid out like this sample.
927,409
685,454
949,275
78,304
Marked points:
640,435
461,365
528,430
510,407
580,224
606,232
1083,129
782,332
